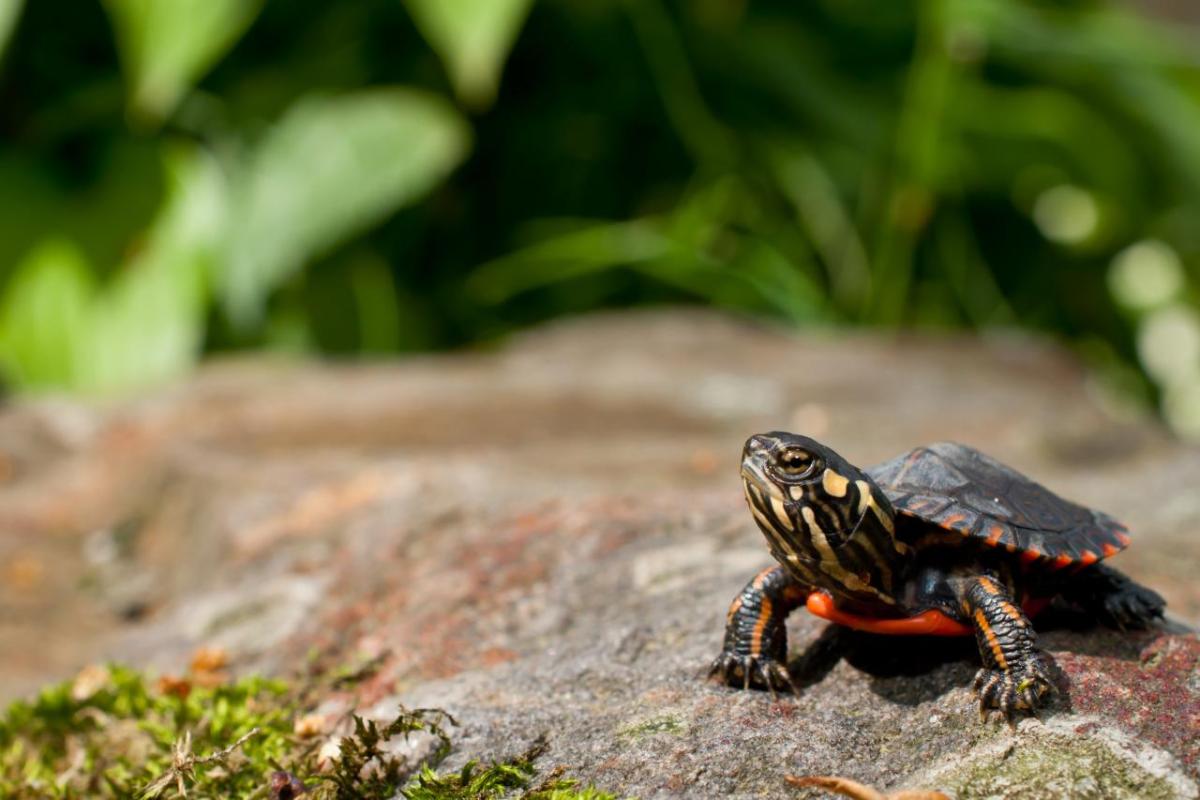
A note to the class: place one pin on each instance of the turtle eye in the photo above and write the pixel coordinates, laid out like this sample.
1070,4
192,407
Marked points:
794,463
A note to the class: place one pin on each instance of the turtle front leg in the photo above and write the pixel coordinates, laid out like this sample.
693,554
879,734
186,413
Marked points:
755,651
1015,675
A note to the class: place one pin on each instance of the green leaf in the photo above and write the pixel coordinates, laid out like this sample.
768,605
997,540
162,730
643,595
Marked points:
472,37
44,317
58,330
167,45
595,248
330,169
757,278
148,326
10,10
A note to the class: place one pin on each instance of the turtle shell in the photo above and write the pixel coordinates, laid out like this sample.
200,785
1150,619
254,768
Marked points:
971,494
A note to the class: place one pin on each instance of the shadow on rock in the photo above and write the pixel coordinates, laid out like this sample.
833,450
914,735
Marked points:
1065,628
911,670
819,657
888,658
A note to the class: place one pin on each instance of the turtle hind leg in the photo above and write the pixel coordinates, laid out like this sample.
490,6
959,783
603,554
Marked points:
1114,598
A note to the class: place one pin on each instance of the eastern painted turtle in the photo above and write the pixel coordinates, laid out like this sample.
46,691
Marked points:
943,540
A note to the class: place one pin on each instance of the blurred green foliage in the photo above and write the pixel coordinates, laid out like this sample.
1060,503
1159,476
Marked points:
391,175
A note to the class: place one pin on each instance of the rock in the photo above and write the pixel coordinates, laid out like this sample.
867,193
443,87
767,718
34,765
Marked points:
545,539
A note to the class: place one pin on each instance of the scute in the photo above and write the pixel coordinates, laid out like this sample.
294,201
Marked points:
967,492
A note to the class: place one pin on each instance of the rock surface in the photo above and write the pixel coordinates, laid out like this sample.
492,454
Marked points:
545,539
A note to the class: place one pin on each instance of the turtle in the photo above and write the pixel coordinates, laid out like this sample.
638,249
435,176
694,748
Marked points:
943,540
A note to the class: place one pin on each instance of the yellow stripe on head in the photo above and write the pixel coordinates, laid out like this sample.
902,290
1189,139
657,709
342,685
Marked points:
835,484
866,500
781,513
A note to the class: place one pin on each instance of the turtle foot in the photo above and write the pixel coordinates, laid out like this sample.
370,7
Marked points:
1131,606
1020,689
752,671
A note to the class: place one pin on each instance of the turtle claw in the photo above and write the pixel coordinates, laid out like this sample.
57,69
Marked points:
759,671
1020,689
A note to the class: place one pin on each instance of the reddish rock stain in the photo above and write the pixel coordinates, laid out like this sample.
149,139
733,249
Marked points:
1148,698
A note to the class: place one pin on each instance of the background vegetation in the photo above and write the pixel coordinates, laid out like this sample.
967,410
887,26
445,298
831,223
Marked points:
372,176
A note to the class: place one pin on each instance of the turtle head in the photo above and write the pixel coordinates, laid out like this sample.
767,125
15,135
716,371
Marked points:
819,512
801,487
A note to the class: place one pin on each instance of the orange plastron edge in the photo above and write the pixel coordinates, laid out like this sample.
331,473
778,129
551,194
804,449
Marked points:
927,623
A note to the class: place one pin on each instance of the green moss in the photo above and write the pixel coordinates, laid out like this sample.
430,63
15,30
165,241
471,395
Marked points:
664,723
1057,766
113,734
72,742
500,780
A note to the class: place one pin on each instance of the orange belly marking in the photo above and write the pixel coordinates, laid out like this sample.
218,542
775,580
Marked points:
927,623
